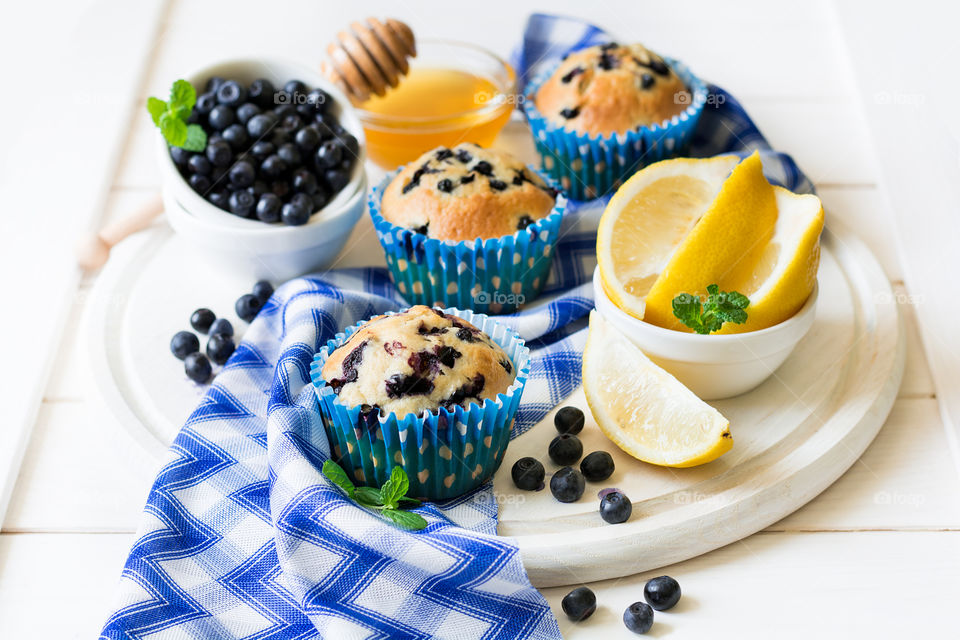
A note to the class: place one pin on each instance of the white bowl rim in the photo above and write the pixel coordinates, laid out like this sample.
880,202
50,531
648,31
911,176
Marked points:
808,306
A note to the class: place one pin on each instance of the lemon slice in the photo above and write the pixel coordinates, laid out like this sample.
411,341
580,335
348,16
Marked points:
648,218
643,409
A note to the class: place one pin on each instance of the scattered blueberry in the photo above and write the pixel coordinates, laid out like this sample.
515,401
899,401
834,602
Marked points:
242,203
202,319
184,343
221,117
222,327
597,466
262,290
527,474
247,307
579,604
662,593
638,617
268,207
567,485
569,420
565,449
197,367
615,508
220,348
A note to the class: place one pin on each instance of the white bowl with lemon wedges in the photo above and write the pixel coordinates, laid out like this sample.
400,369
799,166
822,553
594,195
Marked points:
710,270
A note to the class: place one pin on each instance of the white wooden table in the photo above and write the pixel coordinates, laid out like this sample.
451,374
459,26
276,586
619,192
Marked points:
877,554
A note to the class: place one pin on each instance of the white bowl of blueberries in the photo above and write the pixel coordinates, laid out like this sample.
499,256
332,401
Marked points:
281,182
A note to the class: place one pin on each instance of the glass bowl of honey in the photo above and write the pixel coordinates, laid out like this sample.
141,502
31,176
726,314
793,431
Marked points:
454,92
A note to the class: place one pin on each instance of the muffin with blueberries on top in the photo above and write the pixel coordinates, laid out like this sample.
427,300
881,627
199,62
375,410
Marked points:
468,227
425,389
606,111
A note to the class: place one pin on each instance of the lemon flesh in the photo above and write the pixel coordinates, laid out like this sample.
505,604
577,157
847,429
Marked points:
648,218
643,409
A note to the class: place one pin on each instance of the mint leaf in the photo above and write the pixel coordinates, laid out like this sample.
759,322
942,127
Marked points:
182,97
413,502
157,108
196,138
686,308
368,497
173,129
406,519
395,487
719,307
335,474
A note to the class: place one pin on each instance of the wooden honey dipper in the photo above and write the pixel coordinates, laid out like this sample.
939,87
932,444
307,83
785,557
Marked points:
369,57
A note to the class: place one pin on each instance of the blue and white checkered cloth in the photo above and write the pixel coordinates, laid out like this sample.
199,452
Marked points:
242,536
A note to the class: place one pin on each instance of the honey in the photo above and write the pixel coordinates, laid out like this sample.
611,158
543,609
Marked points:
430,107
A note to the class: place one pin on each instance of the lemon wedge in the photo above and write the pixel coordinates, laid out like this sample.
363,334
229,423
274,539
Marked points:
648,218
643,409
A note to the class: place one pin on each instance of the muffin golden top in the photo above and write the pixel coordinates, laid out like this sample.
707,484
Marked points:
465,193
418,360
611,89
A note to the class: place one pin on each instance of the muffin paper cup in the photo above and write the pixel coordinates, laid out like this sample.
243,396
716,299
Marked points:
588,167
495,275
446,453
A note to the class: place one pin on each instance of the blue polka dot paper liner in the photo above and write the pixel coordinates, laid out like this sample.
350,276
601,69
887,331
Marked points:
588,167
494,275
445,453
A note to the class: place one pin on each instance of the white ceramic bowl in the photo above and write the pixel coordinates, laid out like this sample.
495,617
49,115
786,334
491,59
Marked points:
712,366
273,251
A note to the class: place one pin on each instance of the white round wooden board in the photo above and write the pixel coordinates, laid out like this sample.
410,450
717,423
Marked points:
793,436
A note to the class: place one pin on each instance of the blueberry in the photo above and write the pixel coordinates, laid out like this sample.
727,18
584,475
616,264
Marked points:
638,617
289,153
200,184
180,156
230,93
280,136
258,188
197,367
579,604
262,290
569,420
268,207
646,81
219,153
261,124
318,100
219,198
351,144
184,343
246,111
324,123
567,485
329,154
247,307
199,164
242,203
320,199
294,214
662,593
307,138
205,103
282,103
221,117
236,136
527,474
220,348
281,188
201,319
302,200
565,449
273,166
336,179
304,182
294,87
213,84
242,174
597,466
292,121
262,149
261,93
615,508
445,185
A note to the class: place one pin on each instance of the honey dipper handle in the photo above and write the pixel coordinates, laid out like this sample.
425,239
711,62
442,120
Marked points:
93,250
369,57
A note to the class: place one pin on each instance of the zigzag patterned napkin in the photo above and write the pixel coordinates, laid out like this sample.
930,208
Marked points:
242,537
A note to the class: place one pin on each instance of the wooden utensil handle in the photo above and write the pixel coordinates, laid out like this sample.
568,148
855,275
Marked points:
93,250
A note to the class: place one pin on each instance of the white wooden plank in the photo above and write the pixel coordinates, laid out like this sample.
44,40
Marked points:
58,585
821,585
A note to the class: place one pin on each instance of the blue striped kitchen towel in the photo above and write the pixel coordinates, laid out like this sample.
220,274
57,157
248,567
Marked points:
242,536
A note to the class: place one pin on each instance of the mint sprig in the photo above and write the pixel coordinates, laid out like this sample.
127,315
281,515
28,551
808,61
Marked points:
719,307
171,117
386,499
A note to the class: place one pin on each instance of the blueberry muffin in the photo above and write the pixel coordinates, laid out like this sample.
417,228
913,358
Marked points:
417,361
612,89
466,192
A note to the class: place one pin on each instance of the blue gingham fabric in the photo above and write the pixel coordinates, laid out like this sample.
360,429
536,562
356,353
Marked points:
242,536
